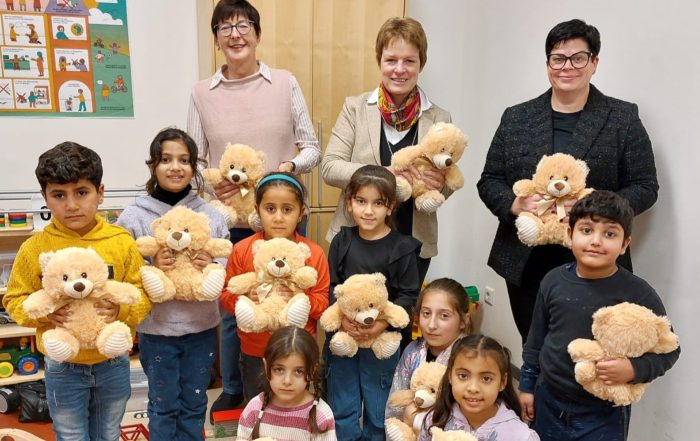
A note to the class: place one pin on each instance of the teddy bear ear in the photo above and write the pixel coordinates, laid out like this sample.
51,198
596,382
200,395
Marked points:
379,278
261,155
257,244
305,250
156,224
338,291
583,166
45,258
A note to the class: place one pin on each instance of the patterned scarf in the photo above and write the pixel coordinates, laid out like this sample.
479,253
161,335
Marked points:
401,118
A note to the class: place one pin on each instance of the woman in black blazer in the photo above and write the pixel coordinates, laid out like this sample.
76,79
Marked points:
572,117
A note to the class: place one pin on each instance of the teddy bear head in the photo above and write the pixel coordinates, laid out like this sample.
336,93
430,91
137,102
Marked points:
425,383
560,175
182,228
279,257
630,330
73,272
242,164
444,144
362,297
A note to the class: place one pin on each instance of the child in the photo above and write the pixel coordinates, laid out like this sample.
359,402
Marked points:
371,246
86,395
287,409
599,227
177,341
279,201
477,394
443,317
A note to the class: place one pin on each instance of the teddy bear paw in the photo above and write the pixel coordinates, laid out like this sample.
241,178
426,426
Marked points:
117,344
58,350
255,222
152,284
298,312
528,230
388,349
245,315
429,205
341,349
393,431
403,189
213,284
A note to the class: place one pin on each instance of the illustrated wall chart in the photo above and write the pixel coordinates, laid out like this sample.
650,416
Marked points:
65,58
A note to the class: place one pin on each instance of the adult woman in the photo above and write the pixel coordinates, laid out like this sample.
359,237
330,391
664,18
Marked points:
572,117
374,125
247,102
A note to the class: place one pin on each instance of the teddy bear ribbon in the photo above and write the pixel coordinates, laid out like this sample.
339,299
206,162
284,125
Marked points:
265,288
547,202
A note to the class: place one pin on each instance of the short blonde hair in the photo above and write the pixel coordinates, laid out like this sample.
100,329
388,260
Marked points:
407,29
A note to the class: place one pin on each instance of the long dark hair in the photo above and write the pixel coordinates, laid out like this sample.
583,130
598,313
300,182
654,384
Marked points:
156,154
283,343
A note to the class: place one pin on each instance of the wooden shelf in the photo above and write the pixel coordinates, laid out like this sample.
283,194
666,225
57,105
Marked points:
14,330
17,378
17,232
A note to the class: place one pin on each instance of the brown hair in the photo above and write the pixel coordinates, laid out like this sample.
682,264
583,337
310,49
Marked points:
378,177
406,29
69,162
456,295
226,9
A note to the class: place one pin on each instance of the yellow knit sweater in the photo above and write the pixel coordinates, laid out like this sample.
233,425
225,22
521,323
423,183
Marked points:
114,244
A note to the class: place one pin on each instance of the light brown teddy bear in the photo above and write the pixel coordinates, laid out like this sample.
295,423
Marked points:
441,148
451,435
241,165
78,277
558,177
364,299
277,262
186,233
425,383
624,330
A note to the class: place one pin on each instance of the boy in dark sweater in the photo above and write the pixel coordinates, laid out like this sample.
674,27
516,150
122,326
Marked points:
599,227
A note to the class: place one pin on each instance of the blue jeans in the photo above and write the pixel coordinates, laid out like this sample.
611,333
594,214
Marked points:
561,420
352,382
178,371
87,402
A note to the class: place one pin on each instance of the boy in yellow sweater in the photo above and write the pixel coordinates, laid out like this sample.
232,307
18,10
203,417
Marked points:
87,395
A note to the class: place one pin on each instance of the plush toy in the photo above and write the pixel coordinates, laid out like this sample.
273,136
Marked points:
425,383
451,435
186,233
277,262
624,330
78,277
558,177
441,148
243,166
364,299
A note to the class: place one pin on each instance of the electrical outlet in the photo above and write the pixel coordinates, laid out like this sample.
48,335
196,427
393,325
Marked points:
489,295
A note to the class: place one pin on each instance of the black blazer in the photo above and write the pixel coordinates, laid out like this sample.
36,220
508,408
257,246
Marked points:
609,136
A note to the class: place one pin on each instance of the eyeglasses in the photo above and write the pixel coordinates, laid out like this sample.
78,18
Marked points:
579,60
243,27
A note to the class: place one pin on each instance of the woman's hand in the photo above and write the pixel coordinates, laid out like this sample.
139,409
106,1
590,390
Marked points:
287,167
61,316
164,259
225,190
409,174
525,203
201,260
434,178
108,310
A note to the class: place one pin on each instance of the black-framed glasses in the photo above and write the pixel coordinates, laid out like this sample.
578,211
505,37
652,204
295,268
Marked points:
243,27
579,60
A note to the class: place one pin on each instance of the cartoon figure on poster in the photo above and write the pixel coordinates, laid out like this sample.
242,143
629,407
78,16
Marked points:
61,33
119,84
39,63
13,33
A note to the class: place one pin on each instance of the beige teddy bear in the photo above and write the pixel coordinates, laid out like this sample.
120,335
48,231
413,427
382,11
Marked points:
364,299
186,233
425,383
451,435
441,148
558,177
277,262
624,330
78,277
243,166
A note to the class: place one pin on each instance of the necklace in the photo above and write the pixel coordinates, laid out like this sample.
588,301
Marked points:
391,146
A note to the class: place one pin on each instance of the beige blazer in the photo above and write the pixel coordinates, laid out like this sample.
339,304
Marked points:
354,142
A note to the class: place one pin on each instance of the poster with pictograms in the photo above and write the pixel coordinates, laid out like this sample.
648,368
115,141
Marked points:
65,58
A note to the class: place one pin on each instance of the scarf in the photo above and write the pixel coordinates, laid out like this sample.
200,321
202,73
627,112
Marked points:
401,118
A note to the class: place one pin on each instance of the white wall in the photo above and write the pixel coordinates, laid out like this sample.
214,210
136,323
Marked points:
163,47
485,56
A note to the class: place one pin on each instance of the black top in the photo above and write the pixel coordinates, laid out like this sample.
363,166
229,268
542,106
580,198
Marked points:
403,218
564,312
563,125
170,198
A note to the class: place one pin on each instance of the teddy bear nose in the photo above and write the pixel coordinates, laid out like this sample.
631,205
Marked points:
368,321
418,401
559,186
236,178
279,264
79,286
448,162
177,235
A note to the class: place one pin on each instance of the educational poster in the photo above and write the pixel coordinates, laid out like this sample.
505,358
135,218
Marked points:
65,58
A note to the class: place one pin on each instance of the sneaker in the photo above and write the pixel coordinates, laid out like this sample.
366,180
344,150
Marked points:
225,401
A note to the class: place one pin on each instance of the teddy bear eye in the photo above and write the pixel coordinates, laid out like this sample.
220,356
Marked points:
432,390
243,170
65,278
566,178
551,177
83,275
187,230
371,305
232,167
443,149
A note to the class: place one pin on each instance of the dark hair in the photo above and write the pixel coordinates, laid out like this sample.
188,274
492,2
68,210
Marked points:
156,154
457,296
378,177
571,30
283,343
603,204
68,162
472,346
226,9
402,28
299,191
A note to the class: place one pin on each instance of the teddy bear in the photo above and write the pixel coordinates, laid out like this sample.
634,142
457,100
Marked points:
241,165
451,435
425,383
557,177
441,148
623,330
364,299
78,277
277,261
186,233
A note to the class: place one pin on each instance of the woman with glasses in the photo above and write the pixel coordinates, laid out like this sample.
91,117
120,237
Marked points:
247,102
572,117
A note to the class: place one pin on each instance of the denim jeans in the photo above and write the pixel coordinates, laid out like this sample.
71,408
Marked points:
87,402
252,372
560,420
178,371
354,383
